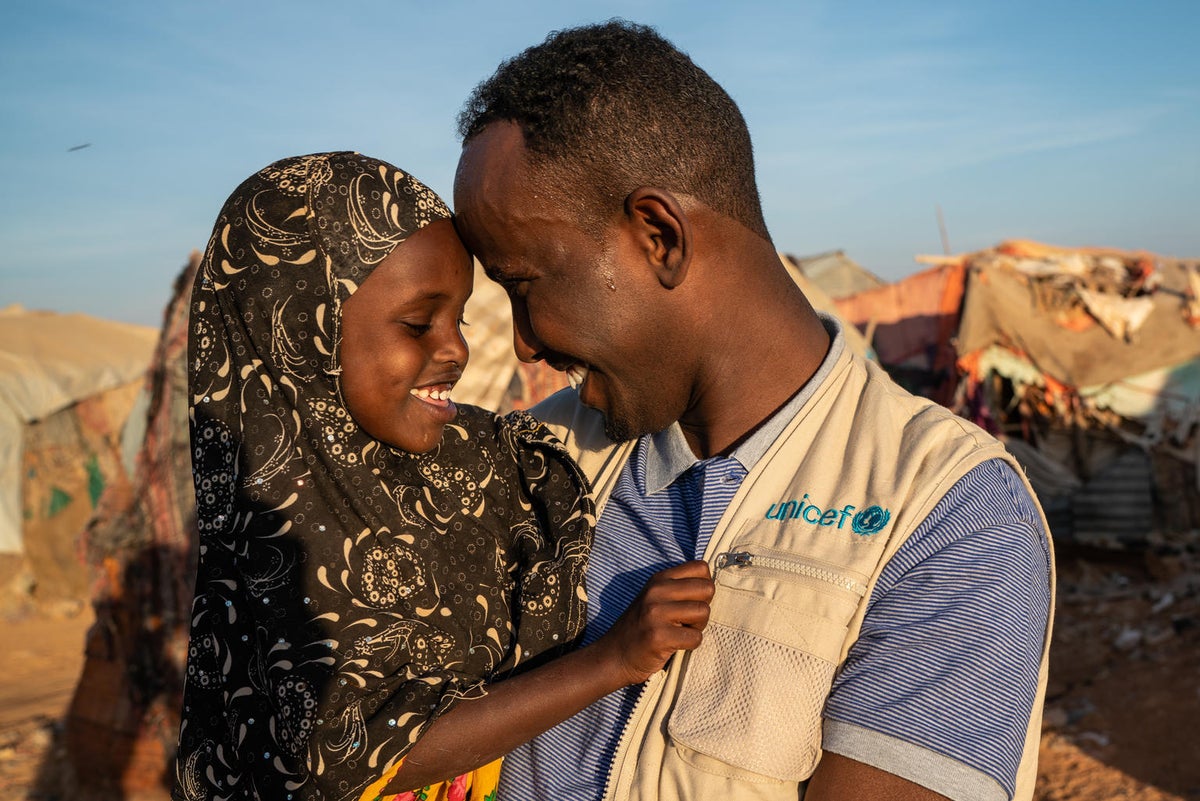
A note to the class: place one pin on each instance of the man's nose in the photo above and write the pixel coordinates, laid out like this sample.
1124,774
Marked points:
526,344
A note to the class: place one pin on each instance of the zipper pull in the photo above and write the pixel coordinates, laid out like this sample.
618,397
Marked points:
734,559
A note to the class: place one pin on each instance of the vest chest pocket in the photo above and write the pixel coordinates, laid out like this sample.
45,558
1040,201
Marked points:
751,695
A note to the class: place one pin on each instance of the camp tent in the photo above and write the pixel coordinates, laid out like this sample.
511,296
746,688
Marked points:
67,385
1088,360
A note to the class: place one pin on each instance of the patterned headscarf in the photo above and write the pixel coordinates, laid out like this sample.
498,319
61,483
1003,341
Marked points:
348,592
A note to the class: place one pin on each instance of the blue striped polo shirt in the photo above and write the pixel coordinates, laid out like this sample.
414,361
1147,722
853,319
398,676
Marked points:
940,684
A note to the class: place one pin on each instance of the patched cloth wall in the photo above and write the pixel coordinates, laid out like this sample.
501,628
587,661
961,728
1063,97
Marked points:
69,461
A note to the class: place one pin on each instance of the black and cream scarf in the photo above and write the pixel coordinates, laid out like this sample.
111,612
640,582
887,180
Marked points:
348,592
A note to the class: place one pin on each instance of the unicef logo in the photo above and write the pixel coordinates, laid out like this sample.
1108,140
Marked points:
870,520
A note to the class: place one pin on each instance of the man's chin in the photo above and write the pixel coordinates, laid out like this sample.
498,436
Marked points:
620,427
618,430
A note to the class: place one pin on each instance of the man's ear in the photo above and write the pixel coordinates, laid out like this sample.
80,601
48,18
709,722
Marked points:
662,229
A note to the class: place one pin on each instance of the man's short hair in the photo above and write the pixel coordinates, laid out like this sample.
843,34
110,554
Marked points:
614,106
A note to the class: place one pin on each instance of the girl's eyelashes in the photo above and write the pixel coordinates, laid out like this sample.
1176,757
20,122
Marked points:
421,328
416,328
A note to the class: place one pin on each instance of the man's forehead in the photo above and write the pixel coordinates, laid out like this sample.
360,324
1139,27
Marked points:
492,158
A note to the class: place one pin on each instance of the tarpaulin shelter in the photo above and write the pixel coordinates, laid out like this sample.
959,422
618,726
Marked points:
911,324
1088,361
68,383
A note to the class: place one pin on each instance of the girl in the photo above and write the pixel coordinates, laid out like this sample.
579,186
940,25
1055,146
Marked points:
372,554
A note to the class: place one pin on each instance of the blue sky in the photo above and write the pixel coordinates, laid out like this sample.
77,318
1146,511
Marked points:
1074,123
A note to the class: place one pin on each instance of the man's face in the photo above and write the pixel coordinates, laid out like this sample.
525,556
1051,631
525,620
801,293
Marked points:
582,301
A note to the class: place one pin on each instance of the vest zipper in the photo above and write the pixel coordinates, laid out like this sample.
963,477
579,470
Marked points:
634,714
744,559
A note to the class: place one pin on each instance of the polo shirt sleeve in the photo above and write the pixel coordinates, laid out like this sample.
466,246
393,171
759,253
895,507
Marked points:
940,686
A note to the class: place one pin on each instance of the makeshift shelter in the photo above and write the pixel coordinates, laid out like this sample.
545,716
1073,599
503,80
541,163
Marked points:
1090,357
68,383
1085,361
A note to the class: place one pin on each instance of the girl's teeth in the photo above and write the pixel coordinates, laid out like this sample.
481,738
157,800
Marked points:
430,394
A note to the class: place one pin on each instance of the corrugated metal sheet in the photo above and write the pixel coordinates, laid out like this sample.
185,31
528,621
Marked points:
1117,505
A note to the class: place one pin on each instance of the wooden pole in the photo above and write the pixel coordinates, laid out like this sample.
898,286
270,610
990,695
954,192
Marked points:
942,228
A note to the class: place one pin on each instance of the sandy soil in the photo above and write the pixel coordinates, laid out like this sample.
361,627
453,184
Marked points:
1121,710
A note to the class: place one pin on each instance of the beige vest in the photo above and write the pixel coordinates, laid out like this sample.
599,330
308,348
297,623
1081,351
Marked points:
796,557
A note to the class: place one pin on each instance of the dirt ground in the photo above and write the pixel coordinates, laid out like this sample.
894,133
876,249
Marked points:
1121,710
40,662
1124,695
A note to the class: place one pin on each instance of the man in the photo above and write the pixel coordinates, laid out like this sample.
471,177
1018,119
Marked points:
883,576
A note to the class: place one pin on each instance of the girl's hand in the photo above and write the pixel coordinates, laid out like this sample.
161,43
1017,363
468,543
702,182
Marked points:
667,616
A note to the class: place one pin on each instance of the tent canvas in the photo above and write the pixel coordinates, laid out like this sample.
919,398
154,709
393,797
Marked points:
49,362
837,274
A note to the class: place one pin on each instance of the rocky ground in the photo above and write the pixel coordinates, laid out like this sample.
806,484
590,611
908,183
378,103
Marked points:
1121,710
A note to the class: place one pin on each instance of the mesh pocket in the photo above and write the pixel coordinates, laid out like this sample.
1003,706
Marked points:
753,703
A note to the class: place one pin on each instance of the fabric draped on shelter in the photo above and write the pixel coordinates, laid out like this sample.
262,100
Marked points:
1092,337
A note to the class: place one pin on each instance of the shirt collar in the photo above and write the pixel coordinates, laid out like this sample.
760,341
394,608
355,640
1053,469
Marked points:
668,456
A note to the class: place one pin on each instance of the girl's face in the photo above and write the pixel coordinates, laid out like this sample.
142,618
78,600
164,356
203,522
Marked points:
402,348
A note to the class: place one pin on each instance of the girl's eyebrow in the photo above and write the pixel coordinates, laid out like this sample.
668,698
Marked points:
435,294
